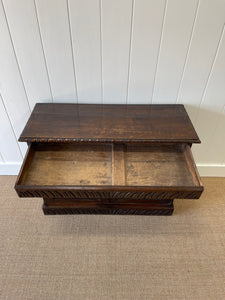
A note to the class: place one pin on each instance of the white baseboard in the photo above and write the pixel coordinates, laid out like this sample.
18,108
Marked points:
211,170
10,168
204,170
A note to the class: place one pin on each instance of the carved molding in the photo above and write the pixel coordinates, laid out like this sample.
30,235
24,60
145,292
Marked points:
107,211
100,140
155,195
109,194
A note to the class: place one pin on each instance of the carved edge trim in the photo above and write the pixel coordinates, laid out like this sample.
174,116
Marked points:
100,140
110,195
108,211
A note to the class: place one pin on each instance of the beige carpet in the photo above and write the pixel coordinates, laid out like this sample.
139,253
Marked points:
113,257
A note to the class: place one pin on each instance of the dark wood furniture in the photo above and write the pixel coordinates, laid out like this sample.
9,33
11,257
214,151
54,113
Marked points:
109,159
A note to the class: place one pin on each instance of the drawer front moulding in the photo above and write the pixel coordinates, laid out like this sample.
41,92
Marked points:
112,195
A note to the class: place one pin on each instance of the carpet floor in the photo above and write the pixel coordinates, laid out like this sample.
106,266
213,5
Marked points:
113,257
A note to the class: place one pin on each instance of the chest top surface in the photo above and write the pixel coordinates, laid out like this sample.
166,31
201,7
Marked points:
109,123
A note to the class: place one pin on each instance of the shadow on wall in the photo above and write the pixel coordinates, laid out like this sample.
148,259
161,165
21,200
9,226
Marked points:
210,127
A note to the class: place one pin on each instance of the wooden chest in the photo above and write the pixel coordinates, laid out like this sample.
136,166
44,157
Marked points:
109,159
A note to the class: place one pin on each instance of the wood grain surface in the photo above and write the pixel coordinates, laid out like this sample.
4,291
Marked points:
109,165
113,159
115,174
109,123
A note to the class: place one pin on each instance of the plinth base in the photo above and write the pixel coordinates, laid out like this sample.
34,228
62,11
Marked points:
105,207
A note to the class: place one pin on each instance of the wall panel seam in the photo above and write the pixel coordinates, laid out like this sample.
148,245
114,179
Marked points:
3,161
188,50
3,103
72,48
101,48
223,112
210,73
159,49
14,51
130,48
42,46
216,126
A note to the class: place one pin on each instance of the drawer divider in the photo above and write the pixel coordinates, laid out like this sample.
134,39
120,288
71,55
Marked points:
118,164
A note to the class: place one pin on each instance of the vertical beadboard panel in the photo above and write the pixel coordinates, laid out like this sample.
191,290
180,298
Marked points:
212,151
147,27
210,116
206,36
179,19
28,49
11,84
216,151
55,33
8,147
85,27
116,27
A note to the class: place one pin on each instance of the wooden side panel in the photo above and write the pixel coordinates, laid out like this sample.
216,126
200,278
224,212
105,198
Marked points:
55,33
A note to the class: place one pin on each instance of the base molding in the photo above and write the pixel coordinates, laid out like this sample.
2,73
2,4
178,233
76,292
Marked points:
64,206
211,170
10,168
106,211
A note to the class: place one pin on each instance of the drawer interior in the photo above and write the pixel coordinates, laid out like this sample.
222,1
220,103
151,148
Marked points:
85,164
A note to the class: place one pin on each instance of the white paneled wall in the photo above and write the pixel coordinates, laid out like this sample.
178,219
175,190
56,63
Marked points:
24,31
116,27
86,48
146,35
176,33
114,51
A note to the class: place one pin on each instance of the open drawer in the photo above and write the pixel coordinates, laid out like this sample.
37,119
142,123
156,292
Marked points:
117,173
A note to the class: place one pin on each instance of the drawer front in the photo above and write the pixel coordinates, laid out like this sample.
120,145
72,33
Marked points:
123,174
117,196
